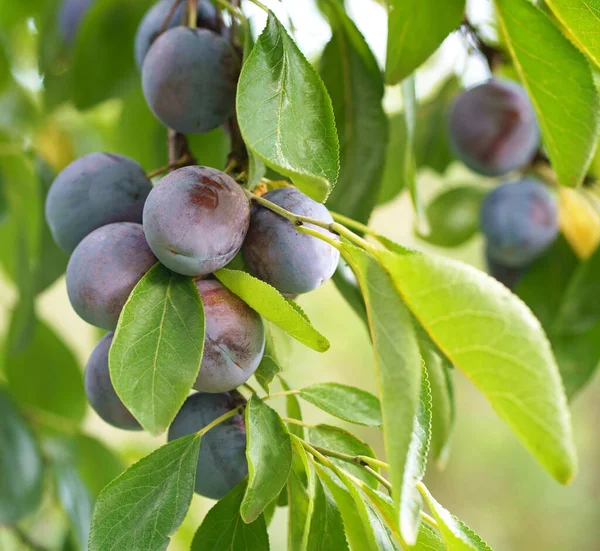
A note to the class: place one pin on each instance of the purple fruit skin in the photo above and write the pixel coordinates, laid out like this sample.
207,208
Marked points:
493,128
152,23
235,339
189,78
95,190
70,16
222,463
104,269
293,262
195,220
509,276
101,392
519,221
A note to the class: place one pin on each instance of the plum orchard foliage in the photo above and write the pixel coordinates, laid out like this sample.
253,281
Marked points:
328,135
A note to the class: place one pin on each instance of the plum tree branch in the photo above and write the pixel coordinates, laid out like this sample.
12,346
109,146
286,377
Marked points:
231,413
184,161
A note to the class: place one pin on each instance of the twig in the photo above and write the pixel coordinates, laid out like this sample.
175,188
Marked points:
283,393
260,5
297,422
493,56
360,460
239,410
165,23
178,147
184,161
232,9
429,520
192,14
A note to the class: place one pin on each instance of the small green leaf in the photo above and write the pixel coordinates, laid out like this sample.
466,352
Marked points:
494,338
157,349
269,454
273,306
543,56
581,18
47,360
21,468
457,536
342,441
223,527
140,509
299,502
414,34
346,402
355,84
397,357
454,216
293,411
326,527
428,540
269,366
285,114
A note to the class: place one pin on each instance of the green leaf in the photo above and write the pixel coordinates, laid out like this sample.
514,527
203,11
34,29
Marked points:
273,306
326,527
103,68
269,454
428,540
285,114
293,411
75,500
223,527
397,358
269,366
454,216
140,509
550,68
580,17
299,502
342,441
346,402
355,84
414,34
457,536
157,349
96,464
21,468
47,360
494,338
346,284
442,398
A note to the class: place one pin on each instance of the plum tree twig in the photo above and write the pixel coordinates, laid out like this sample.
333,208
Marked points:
360,460
191,14
165,23
183,161
298,422
231,413
282,393
233,10
260,5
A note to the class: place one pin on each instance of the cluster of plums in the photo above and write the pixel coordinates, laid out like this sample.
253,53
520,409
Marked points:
493,130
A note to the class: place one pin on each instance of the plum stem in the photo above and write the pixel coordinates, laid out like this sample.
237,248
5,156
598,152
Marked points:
183,161
192,14
165,23
429,520
282,393
360,460
297,422
232,10
260,5
219,420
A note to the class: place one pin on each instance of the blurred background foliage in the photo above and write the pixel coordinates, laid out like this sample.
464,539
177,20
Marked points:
61,100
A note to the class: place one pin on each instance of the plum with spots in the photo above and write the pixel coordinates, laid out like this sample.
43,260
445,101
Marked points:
70,16
222,461
100,391
519,221
234,342
189,78
152,23
195,220
104,269
493,128
277,253
95,190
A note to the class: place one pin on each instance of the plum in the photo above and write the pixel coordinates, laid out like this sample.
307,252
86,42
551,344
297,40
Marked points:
519,221
509,276
104,269
493,128
95,190
235,339
101,392
195,220
70,16
277,253
189,78
152,23
222,461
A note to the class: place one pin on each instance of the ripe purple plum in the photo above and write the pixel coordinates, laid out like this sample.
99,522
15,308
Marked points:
235,339
195,220
100,391
95,190
293,262
104,269
189,78
222,463
493,128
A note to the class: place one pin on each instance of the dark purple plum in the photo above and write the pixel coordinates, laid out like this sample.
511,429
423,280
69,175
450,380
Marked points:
277,253
189,78
195,220
70,16
104,269
101,392
235,339
519,221
222,461
509,276
95,190
152,23
493,128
